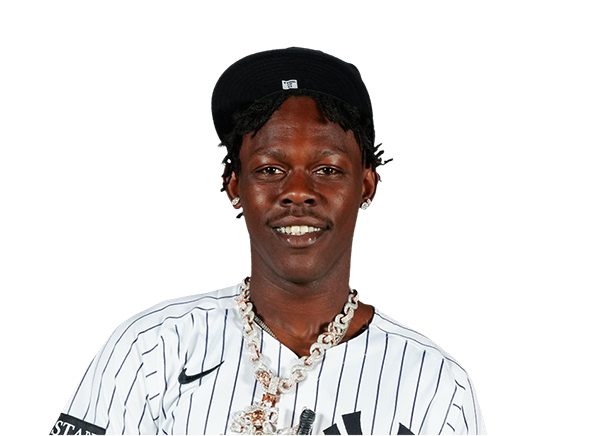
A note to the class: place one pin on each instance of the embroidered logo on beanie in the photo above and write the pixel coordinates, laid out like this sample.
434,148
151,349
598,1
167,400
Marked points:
289,84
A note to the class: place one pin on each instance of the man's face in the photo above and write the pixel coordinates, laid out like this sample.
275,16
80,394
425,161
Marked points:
301,185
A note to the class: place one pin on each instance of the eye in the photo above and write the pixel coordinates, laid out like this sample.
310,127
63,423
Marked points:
270,171
328,171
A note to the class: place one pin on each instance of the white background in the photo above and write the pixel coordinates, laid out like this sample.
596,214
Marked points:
544,226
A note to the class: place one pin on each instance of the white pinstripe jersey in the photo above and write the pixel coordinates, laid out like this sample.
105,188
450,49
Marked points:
387,380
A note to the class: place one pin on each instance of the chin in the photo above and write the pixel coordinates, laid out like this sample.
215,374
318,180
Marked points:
301,266
301,273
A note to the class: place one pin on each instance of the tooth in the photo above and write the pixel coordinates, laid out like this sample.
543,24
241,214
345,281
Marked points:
298,230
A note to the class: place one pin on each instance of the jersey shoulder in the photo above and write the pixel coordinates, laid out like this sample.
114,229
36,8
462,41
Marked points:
140,347
454,402
170,313
405,335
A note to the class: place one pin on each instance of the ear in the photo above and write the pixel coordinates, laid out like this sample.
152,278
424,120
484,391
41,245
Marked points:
370,181
232,189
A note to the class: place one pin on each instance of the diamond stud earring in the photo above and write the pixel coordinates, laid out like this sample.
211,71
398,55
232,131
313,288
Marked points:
235,201
365,205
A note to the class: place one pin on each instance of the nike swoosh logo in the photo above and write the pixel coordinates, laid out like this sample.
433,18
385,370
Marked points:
185,379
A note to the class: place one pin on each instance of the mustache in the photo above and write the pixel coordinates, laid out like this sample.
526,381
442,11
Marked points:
303,212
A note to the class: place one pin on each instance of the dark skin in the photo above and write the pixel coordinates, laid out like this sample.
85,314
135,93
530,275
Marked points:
301,169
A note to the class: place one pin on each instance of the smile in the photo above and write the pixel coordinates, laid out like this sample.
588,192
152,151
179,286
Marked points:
297,230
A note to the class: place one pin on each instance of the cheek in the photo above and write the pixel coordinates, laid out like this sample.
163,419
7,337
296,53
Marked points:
255,196
345,203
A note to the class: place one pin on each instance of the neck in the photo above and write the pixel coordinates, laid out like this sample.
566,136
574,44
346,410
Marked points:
298,313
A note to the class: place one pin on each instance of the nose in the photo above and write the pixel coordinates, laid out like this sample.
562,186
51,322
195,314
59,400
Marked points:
298,189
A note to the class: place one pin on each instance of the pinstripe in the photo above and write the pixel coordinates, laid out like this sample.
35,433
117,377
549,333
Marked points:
433,396
398,387
164,375
178,341
93,381
217,374
447,412
465,419
133,383
379,382
79,387
112,397
294,408
417,390
179,388
128,394
150,350
142,416
337,393
187,422
474,407
205,347
362,367
237,372
319,382
279,361
185,360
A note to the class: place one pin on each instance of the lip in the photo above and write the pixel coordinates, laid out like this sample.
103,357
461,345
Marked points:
299,221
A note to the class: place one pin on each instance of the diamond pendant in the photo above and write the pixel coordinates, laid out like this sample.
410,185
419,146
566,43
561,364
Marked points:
260,418
255,419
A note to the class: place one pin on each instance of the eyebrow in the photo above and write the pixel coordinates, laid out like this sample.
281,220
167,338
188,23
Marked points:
275,153
280,154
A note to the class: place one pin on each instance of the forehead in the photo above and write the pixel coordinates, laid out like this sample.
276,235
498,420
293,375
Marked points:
298,123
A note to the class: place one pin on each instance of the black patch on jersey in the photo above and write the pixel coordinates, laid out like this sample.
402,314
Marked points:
352,423
353,428
332,430
185,379
67,424
403,430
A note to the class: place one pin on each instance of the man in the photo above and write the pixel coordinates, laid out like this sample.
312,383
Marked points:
291,349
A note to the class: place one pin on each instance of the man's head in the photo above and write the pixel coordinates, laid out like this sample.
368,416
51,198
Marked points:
301,160
253,88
